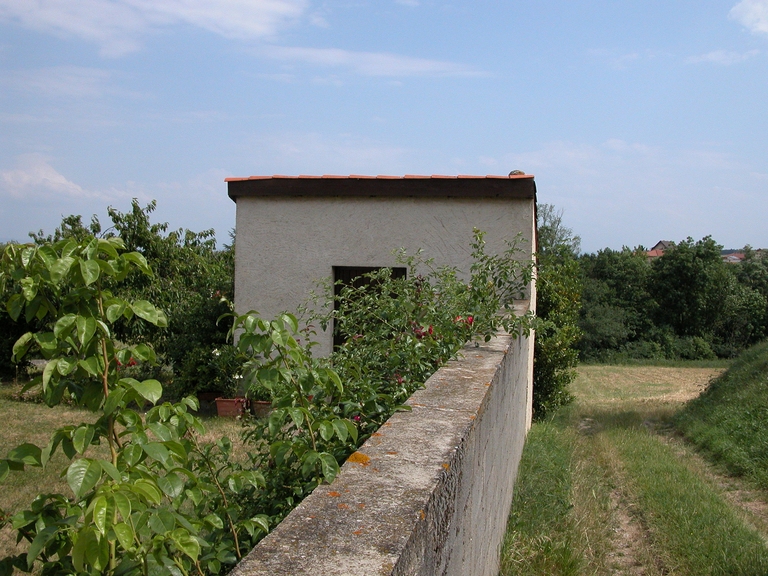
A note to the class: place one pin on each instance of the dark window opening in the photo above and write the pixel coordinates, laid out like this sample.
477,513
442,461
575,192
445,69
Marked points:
353,276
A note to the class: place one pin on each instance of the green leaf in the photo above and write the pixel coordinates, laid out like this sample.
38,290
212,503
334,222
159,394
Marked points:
151,390
4,470
28,454
326,429
15,306
90,365
21,346
262,522
139,260
124,535
107,248
341,429
308,462
28,288
90,270
171,485
86,328
110,469
148,490
82,437
145,310
100,513
329,466
48,371
157,451
123,505
60,268
82,476
297,416
38,544
85,539
115,311
161,431
186,543
63,325
114,400
65,366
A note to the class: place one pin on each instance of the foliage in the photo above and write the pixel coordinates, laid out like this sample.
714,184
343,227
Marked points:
193,282
558,296
686,304
162,502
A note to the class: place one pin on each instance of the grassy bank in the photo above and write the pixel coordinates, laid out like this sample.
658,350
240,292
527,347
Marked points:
729,421
606,488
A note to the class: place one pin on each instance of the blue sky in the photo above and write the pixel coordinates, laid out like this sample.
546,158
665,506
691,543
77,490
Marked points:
643,120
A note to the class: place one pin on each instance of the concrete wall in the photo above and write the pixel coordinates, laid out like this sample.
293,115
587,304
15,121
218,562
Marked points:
428,494
285,245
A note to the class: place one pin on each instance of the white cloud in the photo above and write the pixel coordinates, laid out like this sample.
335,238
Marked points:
34,177
723,57
68,81
370,63
753,14
118,25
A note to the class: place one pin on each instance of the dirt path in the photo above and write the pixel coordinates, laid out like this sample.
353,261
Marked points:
614,397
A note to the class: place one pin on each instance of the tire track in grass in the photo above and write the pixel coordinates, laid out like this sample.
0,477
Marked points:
694,530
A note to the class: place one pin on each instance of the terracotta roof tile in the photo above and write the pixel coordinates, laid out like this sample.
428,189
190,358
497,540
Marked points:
380,177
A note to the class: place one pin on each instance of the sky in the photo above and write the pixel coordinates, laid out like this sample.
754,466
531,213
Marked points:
642,120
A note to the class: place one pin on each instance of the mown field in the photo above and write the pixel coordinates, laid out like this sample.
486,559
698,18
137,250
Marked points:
610,486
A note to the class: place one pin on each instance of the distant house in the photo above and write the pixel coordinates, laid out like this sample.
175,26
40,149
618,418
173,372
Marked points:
732,257
659,248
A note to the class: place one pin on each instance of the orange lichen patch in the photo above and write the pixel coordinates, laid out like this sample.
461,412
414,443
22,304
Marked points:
359,458
343,506
377,434
361,506
334,494
422,515
446,466
487,383
357,532
392,453
472,416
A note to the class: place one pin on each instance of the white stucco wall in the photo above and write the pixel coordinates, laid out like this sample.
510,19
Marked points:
284,245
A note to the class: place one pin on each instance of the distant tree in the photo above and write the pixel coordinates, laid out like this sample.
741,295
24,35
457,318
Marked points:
552,233
558,288
616,305
690,283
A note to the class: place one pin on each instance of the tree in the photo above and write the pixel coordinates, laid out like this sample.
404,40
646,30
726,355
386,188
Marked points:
558,301
616,305
690,283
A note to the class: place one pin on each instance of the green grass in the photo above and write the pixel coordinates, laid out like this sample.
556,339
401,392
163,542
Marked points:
729,421
540,536
606,488
693,529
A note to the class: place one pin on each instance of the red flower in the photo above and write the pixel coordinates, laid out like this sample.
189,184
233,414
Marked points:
356,418
430,330
470,320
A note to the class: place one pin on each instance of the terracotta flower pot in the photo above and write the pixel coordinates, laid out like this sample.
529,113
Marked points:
261,408
230,407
